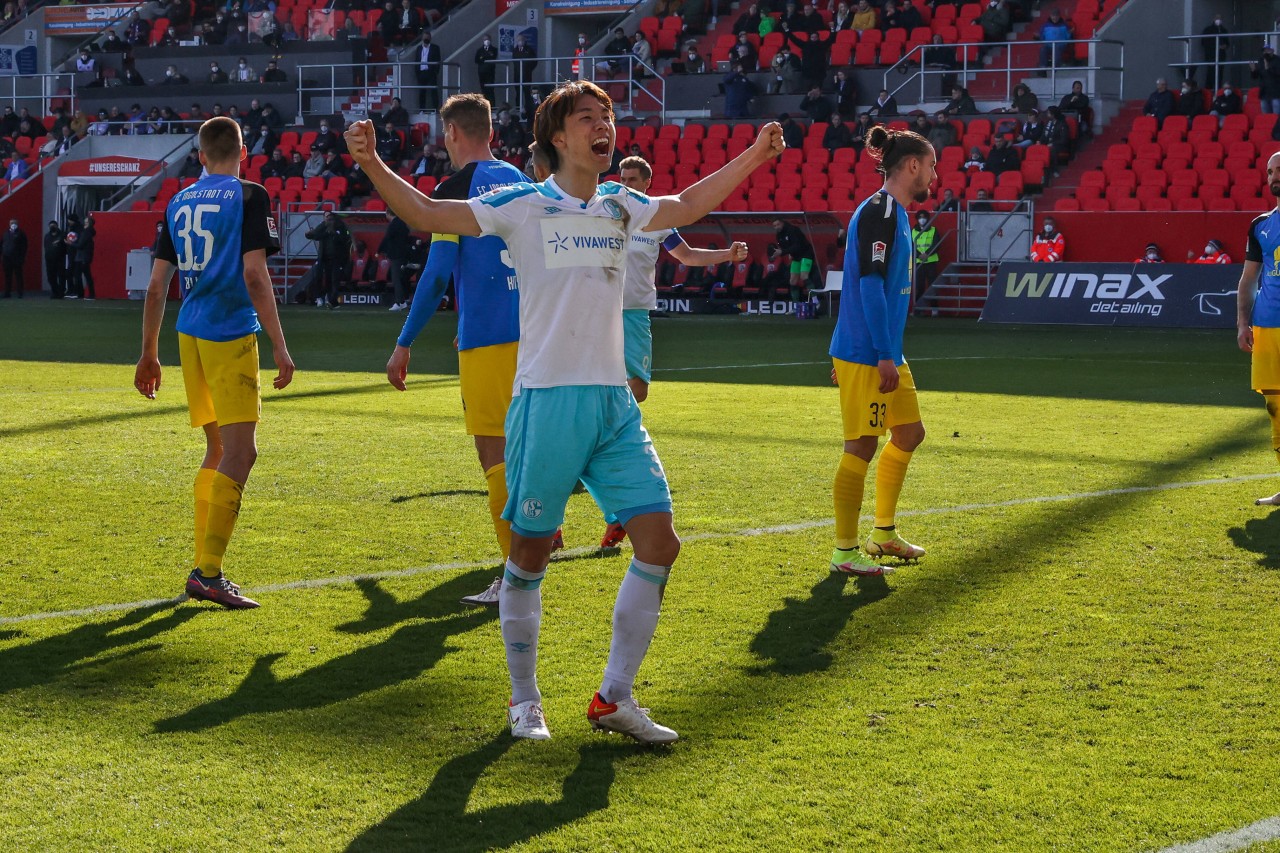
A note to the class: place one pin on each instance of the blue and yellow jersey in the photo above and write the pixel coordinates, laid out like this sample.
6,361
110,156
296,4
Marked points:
1264,248
209,227
877,284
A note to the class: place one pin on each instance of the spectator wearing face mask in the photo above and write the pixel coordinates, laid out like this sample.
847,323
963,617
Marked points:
174,77
244,72
924,237
1150,256
326,139
486,67
1215,49
1213,254
1049,246
1226,104
216,74
1190,100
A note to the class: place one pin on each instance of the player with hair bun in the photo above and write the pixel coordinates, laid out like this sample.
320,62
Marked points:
877,392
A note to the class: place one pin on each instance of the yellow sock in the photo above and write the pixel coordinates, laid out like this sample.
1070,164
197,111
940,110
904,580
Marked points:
1273,409
891,471
204,487
224,506
496,477
851,479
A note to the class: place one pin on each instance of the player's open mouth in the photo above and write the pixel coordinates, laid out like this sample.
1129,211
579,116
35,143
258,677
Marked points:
600,146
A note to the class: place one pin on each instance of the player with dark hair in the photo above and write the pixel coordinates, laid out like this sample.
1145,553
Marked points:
218,234
572,415
877,392
488,302
1258,309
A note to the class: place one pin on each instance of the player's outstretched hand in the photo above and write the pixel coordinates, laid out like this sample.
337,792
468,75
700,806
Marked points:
361,143
738,251
398,367
284,368
146,377
770,142
888,376
1244,338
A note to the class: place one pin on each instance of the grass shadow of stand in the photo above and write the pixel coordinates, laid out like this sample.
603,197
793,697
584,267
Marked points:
1261,536
42,661
795,637
438,820
412,650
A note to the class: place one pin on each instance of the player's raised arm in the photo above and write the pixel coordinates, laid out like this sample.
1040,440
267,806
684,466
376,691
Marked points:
691,257
705,196
1245,292
146,377
422,213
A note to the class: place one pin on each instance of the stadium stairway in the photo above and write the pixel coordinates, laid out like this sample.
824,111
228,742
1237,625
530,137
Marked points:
1089,157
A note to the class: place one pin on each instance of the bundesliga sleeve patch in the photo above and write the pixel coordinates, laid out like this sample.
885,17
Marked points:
271,228
878,250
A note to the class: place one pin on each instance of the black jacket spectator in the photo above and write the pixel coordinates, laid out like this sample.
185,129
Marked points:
885,105
1190,101
1227,103
816,106
276,166
1160,104
748,21
1001,158
961,103
836,135
792,133
273,74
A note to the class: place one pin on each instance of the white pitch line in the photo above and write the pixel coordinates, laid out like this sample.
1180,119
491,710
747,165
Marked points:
750,532
1236,839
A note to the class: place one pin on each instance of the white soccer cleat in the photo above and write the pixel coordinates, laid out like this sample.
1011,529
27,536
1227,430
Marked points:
1274,500
488,598
895,547
527,721
628,718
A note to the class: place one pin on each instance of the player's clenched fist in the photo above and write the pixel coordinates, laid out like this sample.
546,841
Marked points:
360,141
738,251
770,142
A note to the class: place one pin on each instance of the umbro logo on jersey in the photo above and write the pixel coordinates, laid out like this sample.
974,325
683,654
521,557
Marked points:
878,250
557,243
551,209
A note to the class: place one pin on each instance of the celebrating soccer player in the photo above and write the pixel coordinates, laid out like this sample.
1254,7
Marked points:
488,304
218,233
572,416
1258,309
877,393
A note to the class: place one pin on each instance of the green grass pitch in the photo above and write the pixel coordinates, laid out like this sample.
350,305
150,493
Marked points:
1086,660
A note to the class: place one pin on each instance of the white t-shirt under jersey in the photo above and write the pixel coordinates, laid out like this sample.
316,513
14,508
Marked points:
642,261
570,260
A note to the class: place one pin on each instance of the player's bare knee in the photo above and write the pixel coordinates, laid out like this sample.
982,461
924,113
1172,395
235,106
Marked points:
658,549
530,554
909,436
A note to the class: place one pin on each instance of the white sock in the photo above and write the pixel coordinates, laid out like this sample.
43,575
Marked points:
635,618
520,615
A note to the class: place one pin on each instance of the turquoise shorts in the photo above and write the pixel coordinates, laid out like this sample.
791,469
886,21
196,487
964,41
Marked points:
557,436
637,346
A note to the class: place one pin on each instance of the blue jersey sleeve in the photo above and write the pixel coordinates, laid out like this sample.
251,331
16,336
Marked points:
432,284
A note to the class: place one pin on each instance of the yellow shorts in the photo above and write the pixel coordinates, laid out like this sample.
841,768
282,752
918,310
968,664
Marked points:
221,379
487,375
864,410
1265,373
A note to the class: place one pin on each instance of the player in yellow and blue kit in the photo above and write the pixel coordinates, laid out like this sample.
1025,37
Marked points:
1258,309
877,392
572,415
488,302
218,234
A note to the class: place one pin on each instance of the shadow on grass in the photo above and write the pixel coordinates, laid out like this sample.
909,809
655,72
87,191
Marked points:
156,411
45,660
447,493
412,650
439,821
794,640
1261,536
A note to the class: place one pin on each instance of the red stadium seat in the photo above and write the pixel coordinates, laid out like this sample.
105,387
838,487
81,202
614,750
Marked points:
1126,205
865,55
1157,205
1066,204
1187,205
1221,205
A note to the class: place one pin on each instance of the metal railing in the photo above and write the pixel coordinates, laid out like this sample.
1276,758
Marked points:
37,92
330,85
553,70
914,70
1217,65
